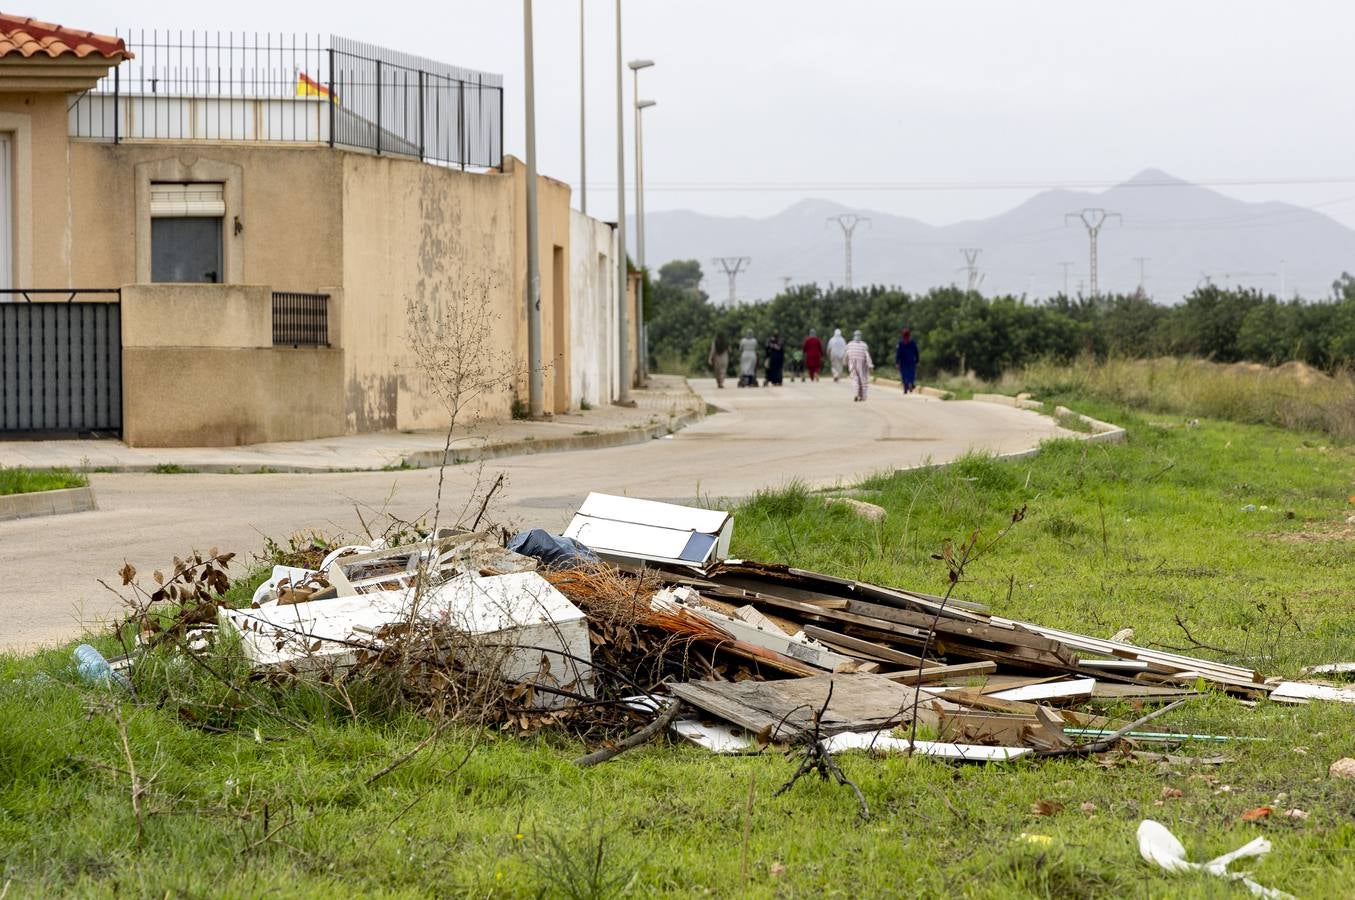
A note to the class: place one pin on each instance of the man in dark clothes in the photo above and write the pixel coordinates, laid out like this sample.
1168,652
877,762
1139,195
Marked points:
905,357
776,358
813,348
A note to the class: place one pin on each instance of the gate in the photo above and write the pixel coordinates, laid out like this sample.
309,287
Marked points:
60,362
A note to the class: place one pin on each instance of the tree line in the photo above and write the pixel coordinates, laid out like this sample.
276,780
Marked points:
960,330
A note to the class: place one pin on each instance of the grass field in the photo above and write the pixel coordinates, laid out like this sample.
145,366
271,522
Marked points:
1116,535
28,481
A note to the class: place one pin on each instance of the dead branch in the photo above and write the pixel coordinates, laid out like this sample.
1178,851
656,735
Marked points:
643,736
484,504
137,788
816,758
433,736
1194,644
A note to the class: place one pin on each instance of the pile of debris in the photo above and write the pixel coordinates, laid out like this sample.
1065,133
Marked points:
636,614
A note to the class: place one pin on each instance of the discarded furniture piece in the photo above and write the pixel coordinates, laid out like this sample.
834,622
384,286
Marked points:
519,624
647,530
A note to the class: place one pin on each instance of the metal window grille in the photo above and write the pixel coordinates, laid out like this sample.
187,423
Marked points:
206,86
300,320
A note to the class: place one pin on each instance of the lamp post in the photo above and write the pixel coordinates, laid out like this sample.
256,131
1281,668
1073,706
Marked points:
535,385
640,105
583,125
623,326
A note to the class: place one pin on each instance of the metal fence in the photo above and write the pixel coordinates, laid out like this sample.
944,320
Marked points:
300,320
189,86
60,362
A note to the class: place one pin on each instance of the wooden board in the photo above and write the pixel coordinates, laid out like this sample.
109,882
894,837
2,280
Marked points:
871,649
782,709
933,674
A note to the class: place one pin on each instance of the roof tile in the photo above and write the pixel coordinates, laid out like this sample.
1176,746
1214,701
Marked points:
28,37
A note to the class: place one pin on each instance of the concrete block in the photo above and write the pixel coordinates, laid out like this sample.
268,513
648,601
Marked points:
46,503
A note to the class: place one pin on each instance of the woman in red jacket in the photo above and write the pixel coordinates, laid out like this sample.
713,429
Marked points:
813,348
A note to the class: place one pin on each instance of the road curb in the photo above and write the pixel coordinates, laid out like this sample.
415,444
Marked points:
47,503
427,459
1101,432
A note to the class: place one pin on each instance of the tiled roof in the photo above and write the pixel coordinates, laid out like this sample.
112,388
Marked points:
29,37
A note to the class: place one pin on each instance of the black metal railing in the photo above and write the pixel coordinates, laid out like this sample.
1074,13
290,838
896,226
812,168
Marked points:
295,88
300,320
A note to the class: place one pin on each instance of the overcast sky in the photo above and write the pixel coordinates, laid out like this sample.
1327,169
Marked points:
765,102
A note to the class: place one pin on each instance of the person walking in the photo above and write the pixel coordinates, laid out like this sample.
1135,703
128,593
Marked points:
813,350
775,358
748,360
718,359
860,364
837,352
905,357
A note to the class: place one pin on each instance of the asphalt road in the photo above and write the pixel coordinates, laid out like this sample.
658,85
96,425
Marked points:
49,567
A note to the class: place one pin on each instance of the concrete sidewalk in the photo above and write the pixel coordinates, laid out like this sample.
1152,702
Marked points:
663,407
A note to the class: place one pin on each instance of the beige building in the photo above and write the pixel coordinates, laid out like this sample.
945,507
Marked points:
321,252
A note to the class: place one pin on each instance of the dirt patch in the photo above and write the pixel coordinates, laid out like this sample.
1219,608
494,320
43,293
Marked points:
1338,531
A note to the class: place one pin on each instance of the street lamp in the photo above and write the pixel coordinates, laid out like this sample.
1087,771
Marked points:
642,349
622,336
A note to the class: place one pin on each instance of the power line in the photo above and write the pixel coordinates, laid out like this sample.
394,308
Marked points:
987,185
971,265
732,266
1093,218
1066,266
848,222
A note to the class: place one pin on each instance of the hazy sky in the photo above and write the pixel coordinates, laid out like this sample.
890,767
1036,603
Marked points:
762,103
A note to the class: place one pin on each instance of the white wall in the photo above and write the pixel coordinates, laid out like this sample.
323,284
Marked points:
595,375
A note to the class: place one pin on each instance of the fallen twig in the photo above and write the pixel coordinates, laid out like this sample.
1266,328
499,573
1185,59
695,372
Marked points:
644,735
131,773
816,758
1106,743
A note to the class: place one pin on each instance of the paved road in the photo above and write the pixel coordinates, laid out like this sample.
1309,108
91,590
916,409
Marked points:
765,437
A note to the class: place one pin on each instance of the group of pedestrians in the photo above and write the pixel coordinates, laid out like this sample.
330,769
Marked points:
850,357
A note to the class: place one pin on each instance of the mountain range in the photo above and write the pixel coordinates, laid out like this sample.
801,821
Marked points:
1186,235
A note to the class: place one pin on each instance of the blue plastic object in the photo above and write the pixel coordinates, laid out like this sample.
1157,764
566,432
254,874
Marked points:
92,668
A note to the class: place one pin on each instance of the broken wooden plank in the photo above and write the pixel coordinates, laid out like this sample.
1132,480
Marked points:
752,616
1308,690
883,742
782,709
933,674
871,649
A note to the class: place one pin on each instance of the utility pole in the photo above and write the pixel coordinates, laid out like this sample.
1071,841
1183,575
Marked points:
642,350
1143,262
971,265
732,266
583,125
622,275
535,380
848,222
1093,219
785,283
1066,266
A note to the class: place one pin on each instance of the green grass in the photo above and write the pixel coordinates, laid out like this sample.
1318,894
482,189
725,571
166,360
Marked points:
28,481
171,469
1114,536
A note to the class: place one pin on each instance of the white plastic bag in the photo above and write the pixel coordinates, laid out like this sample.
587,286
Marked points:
1160,847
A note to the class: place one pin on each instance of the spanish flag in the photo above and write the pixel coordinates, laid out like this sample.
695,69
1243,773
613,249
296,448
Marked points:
307,86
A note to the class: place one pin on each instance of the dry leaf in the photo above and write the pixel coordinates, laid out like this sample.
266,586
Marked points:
1255,815
1045,807
776,870
1088,807
127,572
1169,793
1296,814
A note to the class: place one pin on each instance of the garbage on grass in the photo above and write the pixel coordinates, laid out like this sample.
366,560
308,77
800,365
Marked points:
1160,847
637,608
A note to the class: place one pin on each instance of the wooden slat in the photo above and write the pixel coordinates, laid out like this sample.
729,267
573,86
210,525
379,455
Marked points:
940,673
857,645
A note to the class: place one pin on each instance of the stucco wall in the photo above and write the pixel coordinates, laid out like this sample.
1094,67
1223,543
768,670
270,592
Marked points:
199,370
438,239
594,372
553,215
287,201
42,189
